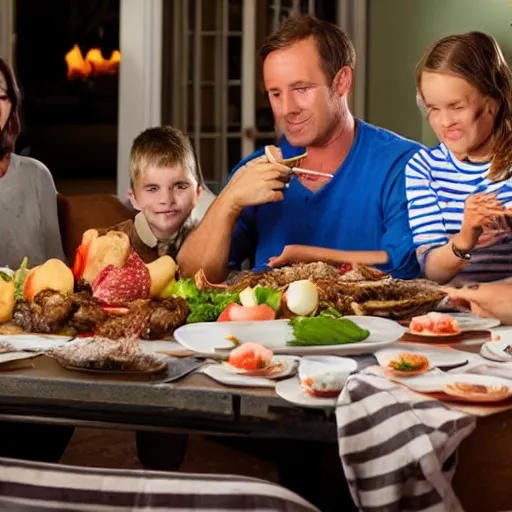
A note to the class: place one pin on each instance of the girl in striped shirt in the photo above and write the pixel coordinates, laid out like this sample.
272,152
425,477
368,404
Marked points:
460,192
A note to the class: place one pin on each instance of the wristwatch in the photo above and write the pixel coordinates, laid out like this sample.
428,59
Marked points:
462,255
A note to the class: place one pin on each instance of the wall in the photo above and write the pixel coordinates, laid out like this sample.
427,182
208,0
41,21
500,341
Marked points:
399,31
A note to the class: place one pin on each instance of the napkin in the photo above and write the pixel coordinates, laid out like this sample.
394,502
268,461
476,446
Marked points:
398,448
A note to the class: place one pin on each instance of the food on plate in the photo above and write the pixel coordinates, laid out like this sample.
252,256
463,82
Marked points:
97,252
78,313
407,364
51,275
302,297
119,285
99,353
250,356
434,324
261,295
352,290
6,347
233,340
324,385
477,392
325,331
7,297
237,313
204,305
162,272
20,277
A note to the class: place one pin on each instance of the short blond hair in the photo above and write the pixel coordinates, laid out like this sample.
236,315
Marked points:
162,146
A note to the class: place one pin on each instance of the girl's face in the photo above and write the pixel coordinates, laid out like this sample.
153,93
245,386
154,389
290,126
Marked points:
167,196
461,117
5,103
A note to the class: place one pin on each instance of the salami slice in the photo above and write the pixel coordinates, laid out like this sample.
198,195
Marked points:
115,286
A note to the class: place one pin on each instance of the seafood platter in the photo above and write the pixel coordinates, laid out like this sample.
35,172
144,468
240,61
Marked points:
256,329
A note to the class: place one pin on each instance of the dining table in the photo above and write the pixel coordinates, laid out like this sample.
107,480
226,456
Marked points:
46,392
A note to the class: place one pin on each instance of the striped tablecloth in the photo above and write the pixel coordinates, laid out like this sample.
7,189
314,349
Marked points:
30,486
398,448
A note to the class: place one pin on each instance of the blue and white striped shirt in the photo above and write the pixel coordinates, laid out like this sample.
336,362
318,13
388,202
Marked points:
437,186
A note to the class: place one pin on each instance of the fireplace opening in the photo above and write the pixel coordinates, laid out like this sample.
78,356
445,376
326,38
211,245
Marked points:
67,61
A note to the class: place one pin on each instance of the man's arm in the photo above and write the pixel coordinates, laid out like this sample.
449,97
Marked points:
209,246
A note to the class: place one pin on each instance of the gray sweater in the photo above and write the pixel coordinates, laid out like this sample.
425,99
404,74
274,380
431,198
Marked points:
29,224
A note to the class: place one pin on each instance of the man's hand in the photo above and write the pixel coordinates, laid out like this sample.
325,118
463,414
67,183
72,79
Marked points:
257,182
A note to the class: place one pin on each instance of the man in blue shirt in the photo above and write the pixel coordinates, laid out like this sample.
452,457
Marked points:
265,211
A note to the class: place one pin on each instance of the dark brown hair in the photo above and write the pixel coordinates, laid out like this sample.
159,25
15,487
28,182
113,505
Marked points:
334,47
12,127
163,146
478,59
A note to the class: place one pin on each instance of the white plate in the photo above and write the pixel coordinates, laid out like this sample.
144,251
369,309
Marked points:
9,357
274,334
218,373
291,391
34,342
437,356
470,322
432,382
495,351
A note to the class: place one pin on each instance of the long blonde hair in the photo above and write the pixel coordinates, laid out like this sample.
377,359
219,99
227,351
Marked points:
477,58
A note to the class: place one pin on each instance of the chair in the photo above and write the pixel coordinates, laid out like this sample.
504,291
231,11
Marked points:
77,214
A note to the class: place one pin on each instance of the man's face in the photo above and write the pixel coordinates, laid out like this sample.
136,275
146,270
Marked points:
167,196
305,105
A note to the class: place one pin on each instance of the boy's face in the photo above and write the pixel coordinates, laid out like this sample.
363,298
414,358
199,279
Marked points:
167,196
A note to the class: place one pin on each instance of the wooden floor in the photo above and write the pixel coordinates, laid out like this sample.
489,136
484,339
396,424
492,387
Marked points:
116,449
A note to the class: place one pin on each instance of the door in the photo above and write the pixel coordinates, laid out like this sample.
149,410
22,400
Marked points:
217,93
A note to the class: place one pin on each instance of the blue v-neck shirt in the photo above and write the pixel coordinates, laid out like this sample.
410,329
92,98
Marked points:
363,208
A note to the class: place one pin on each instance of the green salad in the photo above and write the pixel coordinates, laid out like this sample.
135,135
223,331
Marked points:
325,330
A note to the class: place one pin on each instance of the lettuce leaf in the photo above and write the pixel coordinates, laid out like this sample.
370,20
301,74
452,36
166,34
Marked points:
185,288
323,330
20,277
268,296
5,276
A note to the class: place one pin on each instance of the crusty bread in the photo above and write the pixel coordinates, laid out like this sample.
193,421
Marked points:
112,248
162,272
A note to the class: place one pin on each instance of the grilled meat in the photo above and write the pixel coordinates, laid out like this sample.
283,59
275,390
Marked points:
166,316
47,313
130,325
280,277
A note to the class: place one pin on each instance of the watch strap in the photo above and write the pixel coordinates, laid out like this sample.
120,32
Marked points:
462,255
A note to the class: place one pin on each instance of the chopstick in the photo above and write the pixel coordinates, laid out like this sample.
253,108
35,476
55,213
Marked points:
299,170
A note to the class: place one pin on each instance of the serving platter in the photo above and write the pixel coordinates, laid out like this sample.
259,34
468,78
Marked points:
274,334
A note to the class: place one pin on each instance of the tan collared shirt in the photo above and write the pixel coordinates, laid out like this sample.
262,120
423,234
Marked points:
146,244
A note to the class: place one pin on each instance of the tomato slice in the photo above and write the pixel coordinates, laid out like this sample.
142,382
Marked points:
237,313
116,310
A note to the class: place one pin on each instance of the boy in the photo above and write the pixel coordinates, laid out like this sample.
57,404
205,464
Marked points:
166,184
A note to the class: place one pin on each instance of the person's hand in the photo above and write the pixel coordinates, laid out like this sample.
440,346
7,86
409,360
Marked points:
292,254
257,182
493,300
482,213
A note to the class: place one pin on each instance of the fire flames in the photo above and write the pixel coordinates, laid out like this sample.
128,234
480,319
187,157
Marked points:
93,65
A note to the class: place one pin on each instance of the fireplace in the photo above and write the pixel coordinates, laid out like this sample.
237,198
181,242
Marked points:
67,60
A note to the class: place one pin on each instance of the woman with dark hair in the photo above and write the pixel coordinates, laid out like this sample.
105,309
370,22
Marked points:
28,199
460,192
28,227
